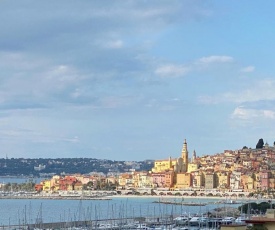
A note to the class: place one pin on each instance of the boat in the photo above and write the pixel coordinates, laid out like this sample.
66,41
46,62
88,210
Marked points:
142,226
241,219
228,220
203,221
194,221
181,220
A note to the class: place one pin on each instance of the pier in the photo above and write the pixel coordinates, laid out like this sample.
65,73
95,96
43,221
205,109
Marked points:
114,224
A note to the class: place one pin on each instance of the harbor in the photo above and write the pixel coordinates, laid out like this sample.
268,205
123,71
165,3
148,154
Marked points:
162,223
114,213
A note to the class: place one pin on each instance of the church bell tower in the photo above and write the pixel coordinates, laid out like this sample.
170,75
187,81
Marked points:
184,153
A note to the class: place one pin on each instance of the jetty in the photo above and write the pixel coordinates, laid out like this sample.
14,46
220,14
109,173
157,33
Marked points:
180,203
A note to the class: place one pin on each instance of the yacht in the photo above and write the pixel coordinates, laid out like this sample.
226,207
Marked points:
241,219
194,221
228,220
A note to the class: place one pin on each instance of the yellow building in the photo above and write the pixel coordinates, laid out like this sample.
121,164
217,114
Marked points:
146,181
55,183
198,181
257,181
46,185
142,180
177,165
78,186
183,180
125,180
163,165
247,182
223,179
192,167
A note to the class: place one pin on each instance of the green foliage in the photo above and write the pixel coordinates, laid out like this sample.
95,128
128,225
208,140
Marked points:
25,167
260,144
255,208
15,187
251,194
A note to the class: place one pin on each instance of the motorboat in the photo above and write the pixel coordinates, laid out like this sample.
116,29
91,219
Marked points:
203,221
194,221
241,219
142,226
228,220
214,222
181,220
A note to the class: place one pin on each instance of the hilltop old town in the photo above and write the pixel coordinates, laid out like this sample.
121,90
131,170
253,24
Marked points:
246,171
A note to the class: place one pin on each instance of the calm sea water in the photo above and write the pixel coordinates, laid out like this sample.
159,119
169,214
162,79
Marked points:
19,211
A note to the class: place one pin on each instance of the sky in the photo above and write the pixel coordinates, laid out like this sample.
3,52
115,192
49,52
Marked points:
130,80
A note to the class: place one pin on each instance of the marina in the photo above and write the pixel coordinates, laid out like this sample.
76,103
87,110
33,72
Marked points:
114,213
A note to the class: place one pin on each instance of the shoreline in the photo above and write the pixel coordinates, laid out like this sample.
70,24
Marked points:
160,198
193,197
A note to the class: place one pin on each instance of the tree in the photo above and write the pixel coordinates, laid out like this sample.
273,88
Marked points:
260,144
255,208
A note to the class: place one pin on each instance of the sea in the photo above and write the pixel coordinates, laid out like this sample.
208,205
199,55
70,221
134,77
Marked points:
30,211
19,211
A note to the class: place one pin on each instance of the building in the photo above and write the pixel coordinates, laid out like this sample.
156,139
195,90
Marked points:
267,222
223,179
177,165
184,180
210,180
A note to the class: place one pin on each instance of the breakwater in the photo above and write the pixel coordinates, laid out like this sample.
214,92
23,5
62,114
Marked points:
180,203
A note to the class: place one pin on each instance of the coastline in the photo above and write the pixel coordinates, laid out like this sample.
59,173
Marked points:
192,197
162,198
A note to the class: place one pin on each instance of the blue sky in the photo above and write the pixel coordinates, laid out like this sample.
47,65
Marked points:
130,80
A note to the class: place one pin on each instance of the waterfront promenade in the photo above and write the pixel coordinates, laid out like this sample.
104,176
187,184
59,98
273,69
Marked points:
123,193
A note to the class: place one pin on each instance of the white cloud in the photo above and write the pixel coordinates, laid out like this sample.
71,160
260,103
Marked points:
269,114
250,114
75,139
171,70
216,59
262,90
205,99
114,44
242,113
248,69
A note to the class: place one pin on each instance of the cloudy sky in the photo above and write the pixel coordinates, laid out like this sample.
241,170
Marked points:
130,80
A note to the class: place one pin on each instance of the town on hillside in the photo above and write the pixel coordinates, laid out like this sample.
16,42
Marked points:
246,171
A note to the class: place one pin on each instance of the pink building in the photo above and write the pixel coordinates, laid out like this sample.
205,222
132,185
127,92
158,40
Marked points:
163,179
159,179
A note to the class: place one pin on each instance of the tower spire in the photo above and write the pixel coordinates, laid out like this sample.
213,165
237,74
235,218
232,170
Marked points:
184,153
194,156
